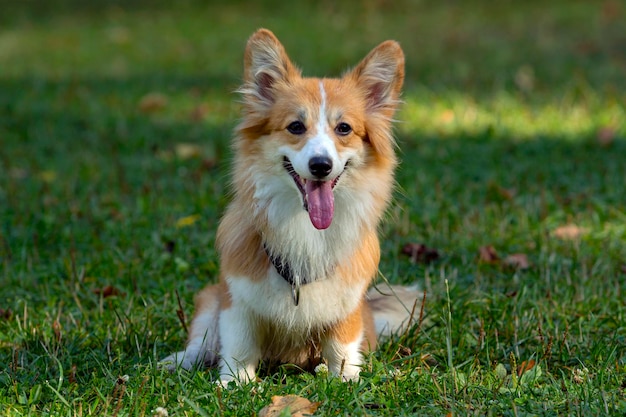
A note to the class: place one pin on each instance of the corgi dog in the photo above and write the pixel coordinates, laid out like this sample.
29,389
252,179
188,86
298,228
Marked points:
312,176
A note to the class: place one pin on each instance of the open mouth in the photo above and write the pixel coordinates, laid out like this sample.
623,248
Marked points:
317,196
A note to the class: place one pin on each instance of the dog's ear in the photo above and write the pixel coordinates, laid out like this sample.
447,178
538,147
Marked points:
381,74
265,64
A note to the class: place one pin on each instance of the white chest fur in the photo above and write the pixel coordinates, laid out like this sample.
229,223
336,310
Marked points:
321,303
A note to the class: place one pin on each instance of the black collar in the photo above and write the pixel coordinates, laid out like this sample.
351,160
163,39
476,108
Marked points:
284,270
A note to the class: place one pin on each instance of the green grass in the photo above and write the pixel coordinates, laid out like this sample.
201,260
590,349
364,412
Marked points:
513,126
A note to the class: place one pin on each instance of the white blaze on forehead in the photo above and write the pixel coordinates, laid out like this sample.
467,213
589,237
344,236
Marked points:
320,144
321,121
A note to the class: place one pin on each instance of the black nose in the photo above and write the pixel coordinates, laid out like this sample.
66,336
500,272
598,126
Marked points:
320,166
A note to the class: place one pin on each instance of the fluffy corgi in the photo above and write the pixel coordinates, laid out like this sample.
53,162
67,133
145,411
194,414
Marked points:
298,245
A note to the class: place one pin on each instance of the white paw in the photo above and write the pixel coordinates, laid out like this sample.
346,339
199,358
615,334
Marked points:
351,374
182,359
225,381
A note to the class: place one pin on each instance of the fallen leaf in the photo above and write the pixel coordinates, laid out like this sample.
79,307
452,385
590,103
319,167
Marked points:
72,375
108,291
531,372
606,136
569,232
612,10
187,150
525,366
420,253
199,112
208,164
153,102
517,261
56,328
296,406
488,255
187,221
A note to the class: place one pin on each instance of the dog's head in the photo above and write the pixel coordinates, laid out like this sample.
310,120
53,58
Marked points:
307,138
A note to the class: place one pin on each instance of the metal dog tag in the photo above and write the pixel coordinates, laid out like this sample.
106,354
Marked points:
295,294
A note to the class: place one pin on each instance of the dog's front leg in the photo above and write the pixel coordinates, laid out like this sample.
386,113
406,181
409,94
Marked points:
342,347
240,353
344,359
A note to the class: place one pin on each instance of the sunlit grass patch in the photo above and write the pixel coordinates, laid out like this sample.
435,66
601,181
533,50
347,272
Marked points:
513,116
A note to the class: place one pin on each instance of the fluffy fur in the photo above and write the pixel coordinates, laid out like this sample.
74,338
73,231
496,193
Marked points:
313,174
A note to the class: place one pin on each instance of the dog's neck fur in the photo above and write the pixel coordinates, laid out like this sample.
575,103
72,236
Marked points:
310,254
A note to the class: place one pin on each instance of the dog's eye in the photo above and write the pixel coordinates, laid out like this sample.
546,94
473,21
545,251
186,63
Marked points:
343,129
296,128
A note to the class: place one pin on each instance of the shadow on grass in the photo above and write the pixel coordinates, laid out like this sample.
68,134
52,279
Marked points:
81,163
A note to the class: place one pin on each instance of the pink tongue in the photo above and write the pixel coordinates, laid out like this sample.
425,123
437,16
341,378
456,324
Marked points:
320,203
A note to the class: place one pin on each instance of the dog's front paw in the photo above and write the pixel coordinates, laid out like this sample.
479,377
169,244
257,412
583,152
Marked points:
238,375
182,359
225,382
351,373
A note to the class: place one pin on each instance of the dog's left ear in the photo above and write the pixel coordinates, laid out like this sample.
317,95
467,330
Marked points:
381,74
265,64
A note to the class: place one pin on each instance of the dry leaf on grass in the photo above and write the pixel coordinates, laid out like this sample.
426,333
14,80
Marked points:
293,404
58,330
187,221
569,232
108,291
153,102
612,10
71,378
517,261
420,253
199,113
525,366
488,255
187,150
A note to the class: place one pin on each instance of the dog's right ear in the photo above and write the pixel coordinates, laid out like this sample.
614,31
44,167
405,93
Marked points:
265,64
